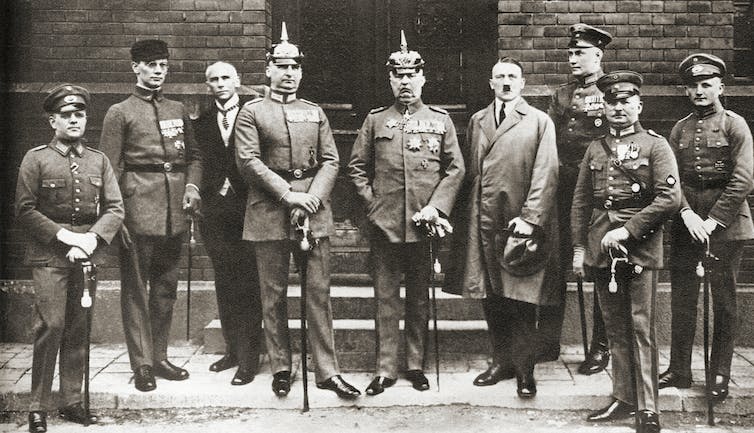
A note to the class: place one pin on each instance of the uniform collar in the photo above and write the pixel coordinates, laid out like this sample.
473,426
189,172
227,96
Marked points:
148,94
707,111
230,103
410,108
283,98
628,130
590,79
65,148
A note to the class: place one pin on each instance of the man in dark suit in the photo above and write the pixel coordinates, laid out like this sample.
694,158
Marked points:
223,207
150,142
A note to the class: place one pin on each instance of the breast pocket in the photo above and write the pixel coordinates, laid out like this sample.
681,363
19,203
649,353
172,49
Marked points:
596,168
53,190
719,150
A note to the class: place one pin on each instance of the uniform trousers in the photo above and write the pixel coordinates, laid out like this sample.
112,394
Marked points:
685,287
236,280
389,261
149,281
511,325
629,318
273,258
60,324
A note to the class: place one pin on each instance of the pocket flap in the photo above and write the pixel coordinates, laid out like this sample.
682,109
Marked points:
95,180
53,183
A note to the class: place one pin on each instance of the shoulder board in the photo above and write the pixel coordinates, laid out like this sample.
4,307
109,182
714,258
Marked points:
377,110
685,118
38,148
254,101
94,150
568,84
438,109
308,102
652,133
733,114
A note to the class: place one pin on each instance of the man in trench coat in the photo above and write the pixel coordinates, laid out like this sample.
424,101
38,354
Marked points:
511,182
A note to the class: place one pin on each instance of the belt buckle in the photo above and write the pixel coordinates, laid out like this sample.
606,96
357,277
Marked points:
298,173
608,204
168,167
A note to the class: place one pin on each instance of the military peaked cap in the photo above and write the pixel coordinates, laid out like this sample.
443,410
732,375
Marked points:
620,84
66,94
701,66
585,36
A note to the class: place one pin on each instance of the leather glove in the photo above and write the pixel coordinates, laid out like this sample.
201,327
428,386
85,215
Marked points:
520,226
309,202
578,261
695,225
613,239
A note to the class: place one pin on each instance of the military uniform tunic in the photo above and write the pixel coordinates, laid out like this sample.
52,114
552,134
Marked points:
72,187
285,144
715,159
403,159
606,198
150,141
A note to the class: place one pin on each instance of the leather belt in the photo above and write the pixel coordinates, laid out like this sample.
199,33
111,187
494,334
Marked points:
638,202
77,221
160,167
698,182
297,173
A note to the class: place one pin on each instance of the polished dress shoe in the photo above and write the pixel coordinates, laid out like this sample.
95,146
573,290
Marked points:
243,376
37,422
76,413
719,391
418,380
526,386
494,374
596,361
144,379
224,363
166,370
649,422
670,379
378,385
281,383
344,389
614,411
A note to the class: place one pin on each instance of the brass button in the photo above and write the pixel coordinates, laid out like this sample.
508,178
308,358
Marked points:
298,173
167,166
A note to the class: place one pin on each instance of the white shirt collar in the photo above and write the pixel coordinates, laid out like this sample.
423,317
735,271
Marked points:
233,100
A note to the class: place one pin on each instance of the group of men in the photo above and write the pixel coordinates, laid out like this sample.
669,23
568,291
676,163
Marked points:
533,196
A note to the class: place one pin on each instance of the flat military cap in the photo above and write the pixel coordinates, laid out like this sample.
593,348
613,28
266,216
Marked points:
585,36
284,53
404,61
620,84
149,49
701,66
66,94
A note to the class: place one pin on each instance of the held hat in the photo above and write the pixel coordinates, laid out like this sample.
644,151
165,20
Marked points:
405,61
701,66
620,84
284,53
586,36
147,50
64,95
523,255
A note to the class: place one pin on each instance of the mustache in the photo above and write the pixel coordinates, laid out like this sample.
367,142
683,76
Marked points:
506,87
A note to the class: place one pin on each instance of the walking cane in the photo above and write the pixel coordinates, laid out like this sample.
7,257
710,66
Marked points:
306,244
613,287
703,269
582,312
90,286
191,245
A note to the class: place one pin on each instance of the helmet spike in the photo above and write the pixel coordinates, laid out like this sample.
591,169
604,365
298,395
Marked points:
404,45
283,33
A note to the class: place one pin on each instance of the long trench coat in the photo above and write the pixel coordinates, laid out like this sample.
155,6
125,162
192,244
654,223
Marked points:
512,171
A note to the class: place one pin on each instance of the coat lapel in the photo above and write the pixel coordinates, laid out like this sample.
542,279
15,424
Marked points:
487,123
512,119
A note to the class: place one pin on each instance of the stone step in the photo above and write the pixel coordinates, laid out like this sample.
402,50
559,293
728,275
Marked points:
355,341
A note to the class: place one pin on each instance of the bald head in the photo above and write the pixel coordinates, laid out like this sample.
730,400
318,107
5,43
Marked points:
222,80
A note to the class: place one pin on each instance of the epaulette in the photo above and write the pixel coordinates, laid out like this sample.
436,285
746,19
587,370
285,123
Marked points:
438,109
377,110
254,101
733,114
652,133
38,148
686,118
95,150
308,102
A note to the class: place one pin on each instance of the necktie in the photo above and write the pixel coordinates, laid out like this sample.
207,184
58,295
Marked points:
225,123
501,114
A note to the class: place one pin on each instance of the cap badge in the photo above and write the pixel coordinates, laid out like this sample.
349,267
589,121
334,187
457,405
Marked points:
697,69
70,98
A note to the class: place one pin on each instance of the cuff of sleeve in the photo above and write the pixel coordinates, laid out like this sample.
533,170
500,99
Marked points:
193,186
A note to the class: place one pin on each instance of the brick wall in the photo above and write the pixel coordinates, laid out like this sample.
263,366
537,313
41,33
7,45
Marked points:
650,36
88,40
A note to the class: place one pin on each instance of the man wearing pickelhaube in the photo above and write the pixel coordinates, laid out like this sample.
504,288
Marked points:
627,187
69,204
405,162
713,147
578,111
286,153
150,141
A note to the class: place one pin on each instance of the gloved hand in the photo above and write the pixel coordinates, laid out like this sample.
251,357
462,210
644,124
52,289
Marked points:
613,239
578,261
191,200
709,225
695,225
520,226
297,216
309,202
